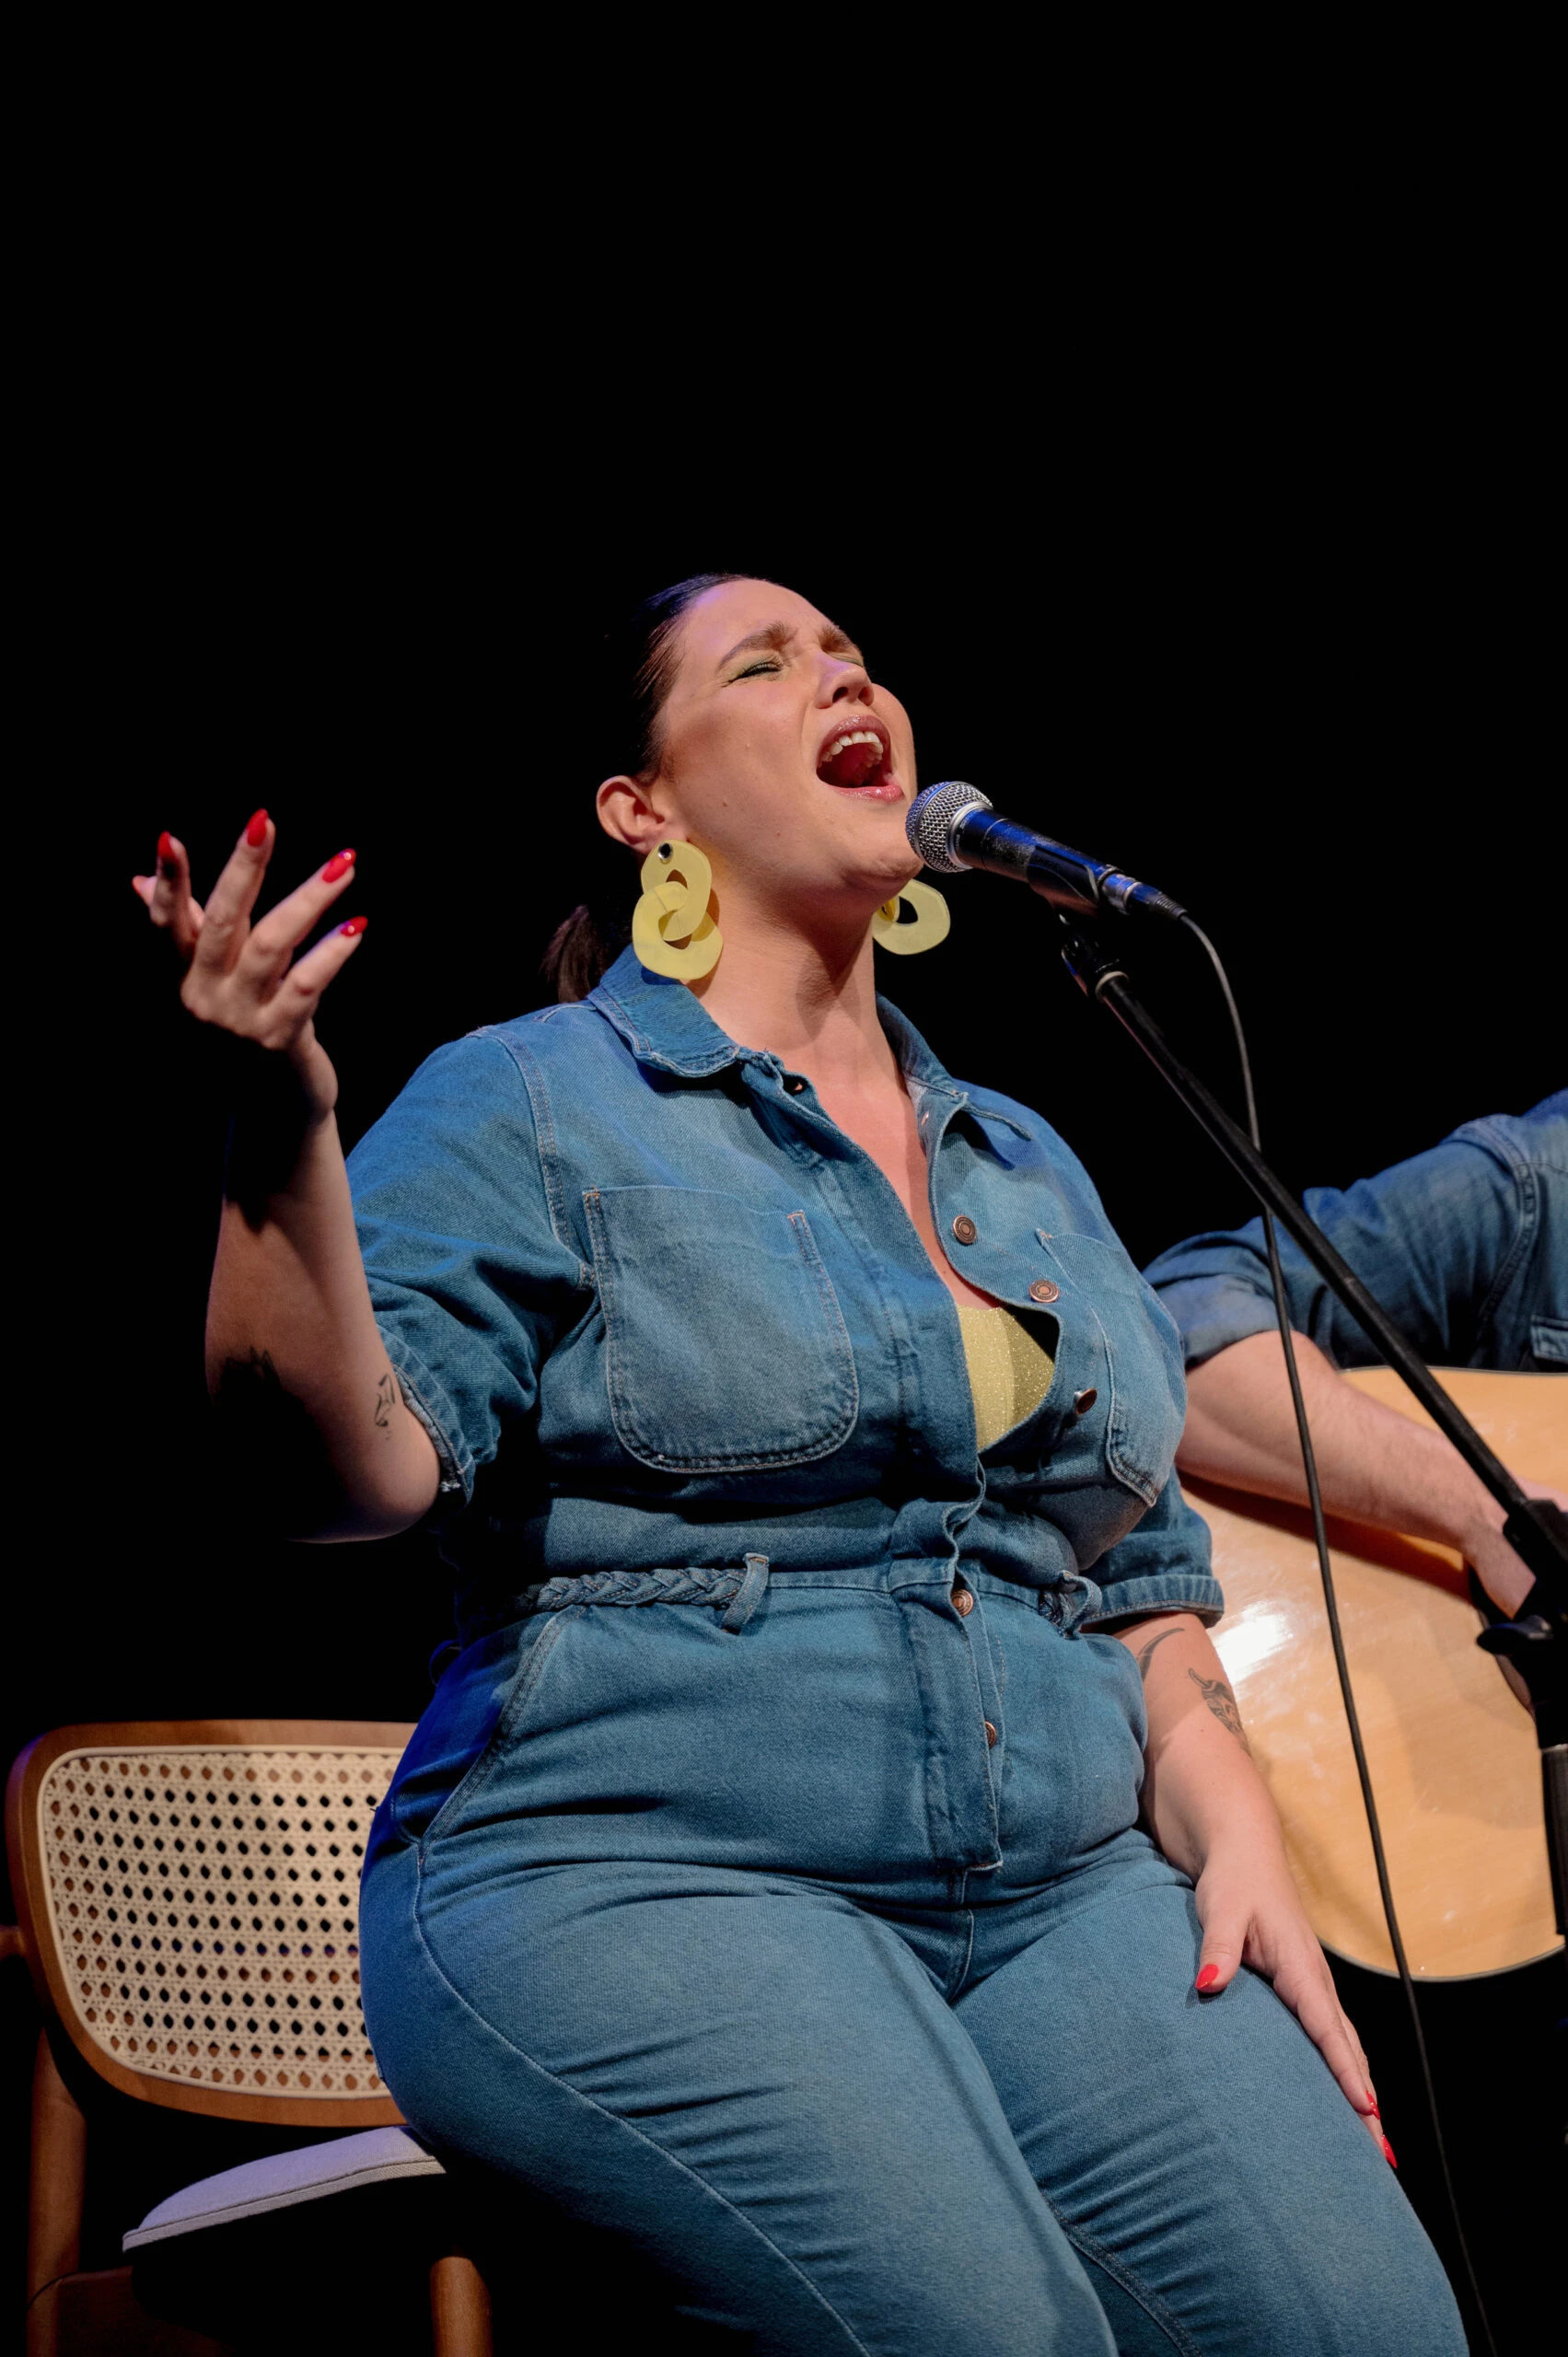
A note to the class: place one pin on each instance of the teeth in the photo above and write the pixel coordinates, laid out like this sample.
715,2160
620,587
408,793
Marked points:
856,736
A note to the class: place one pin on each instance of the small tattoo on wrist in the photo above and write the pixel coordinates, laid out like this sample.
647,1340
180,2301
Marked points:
386,1401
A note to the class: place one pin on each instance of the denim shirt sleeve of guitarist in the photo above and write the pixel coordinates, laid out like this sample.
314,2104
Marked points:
1465,1245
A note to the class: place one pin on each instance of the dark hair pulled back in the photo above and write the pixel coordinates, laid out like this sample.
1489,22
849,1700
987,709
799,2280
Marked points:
639,660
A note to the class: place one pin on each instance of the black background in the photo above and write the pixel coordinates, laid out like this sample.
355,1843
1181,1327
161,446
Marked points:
1280,651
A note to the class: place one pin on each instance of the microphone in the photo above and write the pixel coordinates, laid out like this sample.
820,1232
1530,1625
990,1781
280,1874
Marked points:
953,827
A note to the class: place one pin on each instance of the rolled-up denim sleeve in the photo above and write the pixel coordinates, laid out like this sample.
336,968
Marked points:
1432,1238
468,1277
1163,1565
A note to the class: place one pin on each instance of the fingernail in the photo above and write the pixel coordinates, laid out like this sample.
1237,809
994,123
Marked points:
1372,2104
1388,2153
256,832
355,924
1207,1978
166,852
337,867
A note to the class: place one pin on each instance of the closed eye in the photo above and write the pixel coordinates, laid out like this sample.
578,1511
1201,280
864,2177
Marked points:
767,664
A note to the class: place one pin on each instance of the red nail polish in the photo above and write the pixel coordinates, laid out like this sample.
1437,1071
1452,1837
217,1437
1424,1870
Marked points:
166,845
337,866
1388,2153
355,924
1372,2104
256,832
1207,1978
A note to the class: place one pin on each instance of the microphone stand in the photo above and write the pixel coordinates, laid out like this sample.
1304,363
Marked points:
1536,1639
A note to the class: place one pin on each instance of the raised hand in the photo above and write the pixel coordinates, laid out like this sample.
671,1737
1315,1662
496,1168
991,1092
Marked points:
243,978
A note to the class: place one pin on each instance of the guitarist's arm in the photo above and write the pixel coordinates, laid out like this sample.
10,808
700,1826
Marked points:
1374,1465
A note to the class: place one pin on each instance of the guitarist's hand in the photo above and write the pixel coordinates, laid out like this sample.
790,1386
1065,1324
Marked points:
1506,1579
1209,1809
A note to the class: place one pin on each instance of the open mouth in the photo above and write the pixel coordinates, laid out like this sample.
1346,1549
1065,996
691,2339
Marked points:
857,756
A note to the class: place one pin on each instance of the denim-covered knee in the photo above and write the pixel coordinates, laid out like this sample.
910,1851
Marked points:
1281,2292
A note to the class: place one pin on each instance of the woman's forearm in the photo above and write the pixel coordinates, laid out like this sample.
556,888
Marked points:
317,1435
1199,1783
310,1406
1208,1809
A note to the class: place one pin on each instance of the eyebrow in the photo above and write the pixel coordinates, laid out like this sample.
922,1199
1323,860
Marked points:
777,635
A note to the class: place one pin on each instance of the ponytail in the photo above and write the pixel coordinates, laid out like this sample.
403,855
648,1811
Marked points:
639,660
579,954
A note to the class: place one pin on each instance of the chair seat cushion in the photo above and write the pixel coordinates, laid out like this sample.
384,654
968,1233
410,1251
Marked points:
376,2156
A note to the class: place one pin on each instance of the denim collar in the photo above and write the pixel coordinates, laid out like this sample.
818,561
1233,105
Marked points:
665,1024
660,1020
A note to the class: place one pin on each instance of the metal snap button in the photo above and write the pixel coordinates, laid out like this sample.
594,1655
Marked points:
965,1229
1044,1290
989,1732
963,1599
1083,1401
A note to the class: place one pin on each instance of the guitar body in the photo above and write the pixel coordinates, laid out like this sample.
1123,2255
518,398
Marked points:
1455,1767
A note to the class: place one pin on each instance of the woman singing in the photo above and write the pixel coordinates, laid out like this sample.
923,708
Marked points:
832,1863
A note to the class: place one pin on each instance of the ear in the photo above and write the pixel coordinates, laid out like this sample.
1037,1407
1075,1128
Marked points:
630,812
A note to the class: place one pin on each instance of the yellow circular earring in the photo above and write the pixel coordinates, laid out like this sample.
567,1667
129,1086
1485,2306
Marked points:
672,931
932,921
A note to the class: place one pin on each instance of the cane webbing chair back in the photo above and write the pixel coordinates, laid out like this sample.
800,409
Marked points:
188,1901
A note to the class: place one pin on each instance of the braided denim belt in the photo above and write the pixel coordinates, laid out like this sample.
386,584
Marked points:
740,1592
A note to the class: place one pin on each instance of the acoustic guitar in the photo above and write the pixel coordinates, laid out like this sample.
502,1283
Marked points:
1455,1767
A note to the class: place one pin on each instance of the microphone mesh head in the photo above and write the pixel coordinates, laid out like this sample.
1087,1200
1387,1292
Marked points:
930,820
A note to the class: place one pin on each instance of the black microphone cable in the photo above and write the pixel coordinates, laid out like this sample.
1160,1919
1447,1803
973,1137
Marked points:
1331,1606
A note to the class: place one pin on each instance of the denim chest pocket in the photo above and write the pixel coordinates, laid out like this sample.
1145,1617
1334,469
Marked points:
1143,1351
727,1348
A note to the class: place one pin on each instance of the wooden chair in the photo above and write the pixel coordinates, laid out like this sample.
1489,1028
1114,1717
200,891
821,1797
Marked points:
188,1895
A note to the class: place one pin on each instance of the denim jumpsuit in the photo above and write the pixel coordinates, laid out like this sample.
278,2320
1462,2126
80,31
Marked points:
765,1881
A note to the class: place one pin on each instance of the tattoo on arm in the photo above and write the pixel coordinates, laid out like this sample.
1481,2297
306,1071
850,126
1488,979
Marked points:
1222,1703
386,1401
1148,1652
